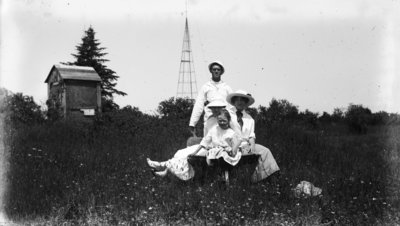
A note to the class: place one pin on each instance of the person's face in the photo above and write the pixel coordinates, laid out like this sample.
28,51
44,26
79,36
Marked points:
216,71
216,110
240,103
223,121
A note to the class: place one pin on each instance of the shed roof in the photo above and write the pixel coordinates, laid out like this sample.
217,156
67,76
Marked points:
75,73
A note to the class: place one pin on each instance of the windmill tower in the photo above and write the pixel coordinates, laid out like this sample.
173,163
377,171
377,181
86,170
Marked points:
187,86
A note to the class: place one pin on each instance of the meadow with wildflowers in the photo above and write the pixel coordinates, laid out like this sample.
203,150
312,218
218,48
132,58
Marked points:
95,173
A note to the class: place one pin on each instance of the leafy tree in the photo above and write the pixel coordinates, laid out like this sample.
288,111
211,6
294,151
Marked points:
394,118
178,108
278,111
253,112
325,117
21,110
357,118
380,118
89,53
108,105
337,115
127,120
262,114
309,118
175,114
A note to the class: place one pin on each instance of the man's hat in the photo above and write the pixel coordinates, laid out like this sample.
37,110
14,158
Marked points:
216,63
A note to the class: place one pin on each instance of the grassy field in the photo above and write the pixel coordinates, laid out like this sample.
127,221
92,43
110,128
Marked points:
94,174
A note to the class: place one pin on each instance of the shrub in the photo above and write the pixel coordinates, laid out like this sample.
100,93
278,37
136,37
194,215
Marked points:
309,119
380,118
357,118
337,115
253,112
325,117
21,110
277,112
176,108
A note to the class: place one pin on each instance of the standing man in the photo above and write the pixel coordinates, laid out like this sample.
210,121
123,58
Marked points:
215,89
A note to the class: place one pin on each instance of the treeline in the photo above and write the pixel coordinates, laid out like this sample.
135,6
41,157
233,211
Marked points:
20,109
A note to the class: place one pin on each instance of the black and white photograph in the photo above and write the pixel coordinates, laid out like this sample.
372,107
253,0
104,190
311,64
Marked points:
199,112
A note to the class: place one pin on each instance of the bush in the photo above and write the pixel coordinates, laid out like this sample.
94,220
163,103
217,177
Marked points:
278,112
21,110
309,119
176,108
357,118
337,115
325,117
380,118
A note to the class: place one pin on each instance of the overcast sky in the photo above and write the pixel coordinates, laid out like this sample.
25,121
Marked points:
318,55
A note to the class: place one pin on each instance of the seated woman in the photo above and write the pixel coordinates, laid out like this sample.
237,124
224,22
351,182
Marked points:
267,165
220,140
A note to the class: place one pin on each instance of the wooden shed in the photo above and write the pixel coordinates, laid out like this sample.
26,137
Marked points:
74,90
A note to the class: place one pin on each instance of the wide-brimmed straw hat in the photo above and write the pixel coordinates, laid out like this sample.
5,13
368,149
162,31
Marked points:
240,93
216,63
216,103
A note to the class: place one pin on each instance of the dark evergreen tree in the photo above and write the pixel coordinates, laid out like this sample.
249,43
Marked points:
91,54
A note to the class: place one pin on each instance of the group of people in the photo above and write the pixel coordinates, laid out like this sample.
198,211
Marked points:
228,131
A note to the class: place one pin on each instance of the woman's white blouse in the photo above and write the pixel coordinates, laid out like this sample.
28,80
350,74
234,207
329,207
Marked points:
247,131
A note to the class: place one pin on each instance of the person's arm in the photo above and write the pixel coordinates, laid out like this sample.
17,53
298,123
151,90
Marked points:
192,130
229,107
204,143
252,137
234,124
235,148
229,89
198,149
236,143
252,142
197,109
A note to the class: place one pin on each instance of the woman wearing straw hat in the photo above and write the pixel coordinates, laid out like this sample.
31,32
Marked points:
267,165
215,89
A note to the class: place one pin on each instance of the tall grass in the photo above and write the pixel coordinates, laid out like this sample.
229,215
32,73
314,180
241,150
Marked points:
95,173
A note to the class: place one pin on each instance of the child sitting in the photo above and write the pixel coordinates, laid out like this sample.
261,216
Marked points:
223,141
220,141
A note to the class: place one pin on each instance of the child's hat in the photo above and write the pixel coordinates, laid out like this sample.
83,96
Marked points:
216,103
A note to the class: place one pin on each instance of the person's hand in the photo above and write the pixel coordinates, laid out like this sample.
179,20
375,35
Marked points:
253,148
192,130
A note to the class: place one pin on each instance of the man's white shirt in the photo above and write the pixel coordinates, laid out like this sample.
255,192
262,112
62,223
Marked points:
209,92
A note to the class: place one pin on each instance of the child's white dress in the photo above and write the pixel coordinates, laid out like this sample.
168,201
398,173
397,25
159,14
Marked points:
216,138
219,144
